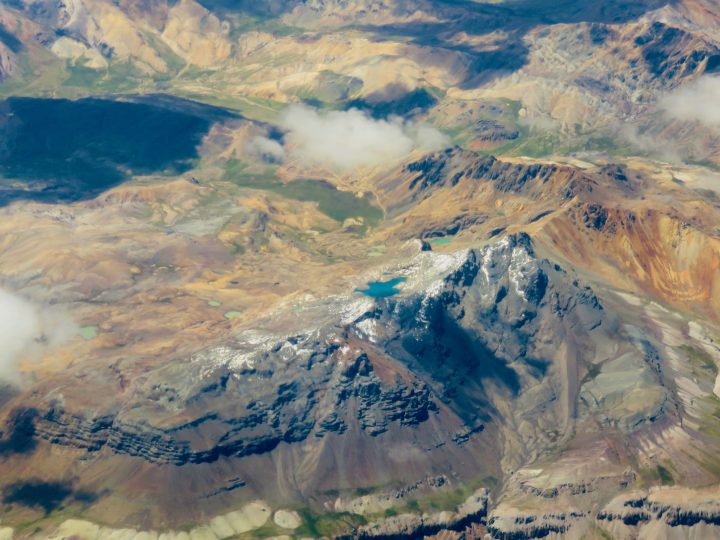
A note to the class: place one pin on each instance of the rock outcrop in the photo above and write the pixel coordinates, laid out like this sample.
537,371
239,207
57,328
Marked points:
464,333
407,526
664,512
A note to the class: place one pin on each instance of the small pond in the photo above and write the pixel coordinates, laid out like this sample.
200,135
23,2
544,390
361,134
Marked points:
383,289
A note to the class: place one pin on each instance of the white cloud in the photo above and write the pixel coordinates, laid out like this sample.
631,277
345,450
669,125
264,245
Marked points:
698,101
266,149
26,329
645,142
427,137
344,140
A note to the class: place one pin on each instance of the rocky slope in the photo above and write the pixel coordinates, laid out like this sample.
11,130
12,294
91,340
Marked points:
486,352
508,331
391,365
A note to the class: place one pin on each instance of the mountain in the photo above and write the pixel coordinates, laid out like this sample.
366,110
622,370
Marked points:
359,269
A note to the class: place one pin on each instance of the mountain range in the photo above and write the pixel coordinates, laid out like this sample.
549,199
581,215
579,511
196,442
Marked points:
359,269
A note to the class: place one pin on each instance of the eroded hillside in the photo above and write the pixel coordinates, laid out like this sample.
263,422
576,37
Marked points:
373,269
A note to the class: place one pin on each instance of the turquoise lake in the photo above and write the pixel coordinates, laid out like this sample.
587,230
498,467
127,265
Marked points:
383,289
444,241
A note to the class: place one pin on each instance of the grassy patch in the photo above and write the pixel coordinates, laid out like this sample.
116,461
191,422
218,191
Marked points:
708,164
660,474
259,109
329,89
118,77
700,360
445,499
266,531
538,145
336,204
83,77
711,418
88,332
666,478
328,524
448,499
712,464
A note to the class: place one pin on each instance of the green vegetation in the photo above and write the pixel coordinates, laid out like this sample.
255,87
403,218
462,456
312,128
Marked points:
462,134
711,418
701,362
253,17
377,251
540,143
173,62
268,530
665,477
121,76
711,463
83,77
334,203
88,332
35,76
330,90
703,163
328,524
448,499
442,499
259,109
536,142
660,474
362,491
537,145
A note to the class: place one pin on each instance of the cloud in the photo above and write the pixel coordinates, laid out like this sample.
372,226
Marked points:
698,104
266,149
427,137
344,140
26,330
541,123
698,101
647,142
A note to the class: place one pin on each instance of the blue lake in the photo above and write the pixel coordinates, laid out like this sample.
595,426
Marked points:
383,289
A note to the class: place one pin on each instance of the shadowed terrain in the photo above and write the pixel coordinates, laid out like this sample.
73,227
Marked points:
66,150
